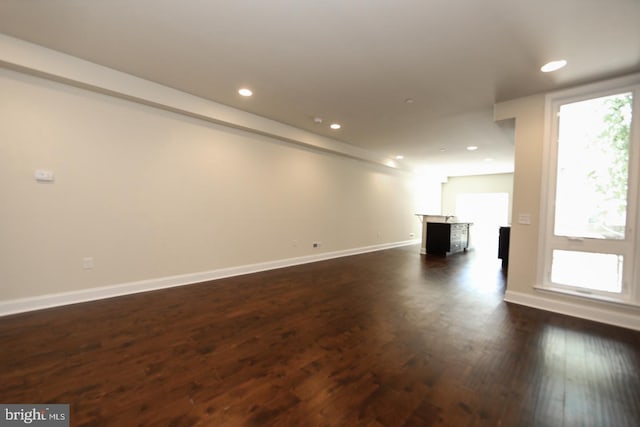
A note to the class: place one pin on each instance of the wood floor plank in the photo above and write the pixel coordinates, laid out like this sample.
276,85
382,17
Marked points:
389,338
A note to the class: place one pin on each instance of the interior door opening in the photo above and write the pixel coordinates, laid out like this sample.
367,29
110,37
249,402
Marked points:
488,212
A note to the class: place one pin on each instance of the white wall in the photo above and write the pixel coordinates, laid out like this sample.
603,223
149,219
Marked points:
494,183
149,193
427,192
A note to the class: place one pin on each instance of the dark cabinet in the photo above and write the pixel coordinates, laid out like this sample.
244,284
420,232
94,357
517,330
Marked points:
444,238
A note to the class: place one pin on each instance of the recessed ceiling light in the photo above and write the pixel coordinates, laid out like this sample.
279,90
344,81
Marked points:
317,119
335,126
472,147
245,92
399,157
553,66
409,101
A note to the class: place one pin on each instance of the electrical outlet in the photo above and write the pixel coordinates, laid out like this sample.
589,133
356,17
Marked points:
87,263
317,244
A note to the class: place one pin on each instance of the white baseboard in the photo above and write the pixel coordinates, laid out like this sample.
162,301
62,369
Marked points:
602,315
54,300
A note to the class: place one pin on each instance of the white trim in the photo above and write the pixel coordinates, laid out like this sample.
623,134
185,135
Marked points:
593,90
36,60
65,298
601,315
579,293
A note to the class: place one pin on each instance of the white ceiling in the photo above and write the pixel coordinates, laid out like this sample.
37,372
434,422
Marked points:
353,61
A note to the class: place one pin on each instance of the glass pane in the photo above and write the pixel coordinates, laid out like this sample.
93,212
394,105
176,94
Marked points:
600,272
593,157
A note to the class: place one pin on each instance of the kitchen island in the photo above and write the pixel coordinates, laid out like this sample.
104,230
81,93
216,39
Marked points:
445,238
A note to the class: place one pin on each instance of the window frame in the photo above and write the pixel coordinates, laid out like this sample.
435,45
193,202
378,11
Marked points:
629,247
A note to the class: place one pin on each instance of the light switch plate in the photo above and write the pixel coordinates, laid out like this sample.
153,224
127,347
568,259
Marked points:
43,176
524,219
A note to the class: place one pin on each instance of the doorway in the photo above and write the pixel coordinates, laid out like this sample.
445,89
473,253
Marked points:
488,212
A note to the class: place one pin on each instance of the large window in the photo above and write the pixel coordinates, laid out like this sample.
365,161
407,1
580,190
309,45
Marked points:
590,235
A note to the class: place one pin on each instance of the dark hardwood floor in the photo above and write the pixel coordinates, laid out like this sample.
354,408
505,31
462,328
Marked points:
389,338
